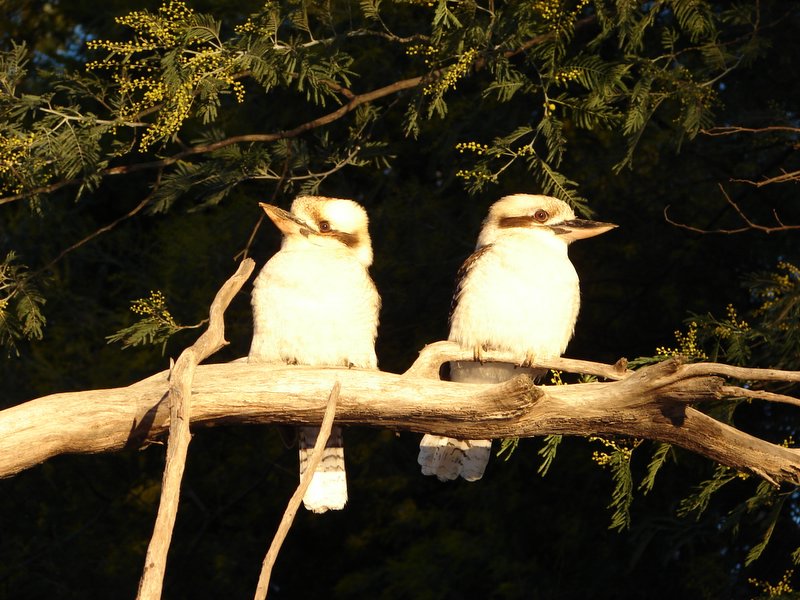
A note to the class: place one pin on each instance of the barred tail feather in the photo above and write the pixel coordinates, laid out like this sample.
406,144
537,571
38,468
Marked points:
328,488
448,458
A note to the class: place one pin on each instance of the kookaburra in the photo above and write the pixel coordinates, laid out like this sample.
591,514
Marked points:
314,303
518,292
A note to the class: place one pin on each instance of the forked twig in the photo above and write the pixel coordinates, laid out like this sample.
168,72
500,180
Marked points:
178,396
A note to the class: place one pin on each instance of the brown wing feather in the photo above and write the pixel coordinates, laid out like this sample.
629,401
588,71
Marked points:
461,275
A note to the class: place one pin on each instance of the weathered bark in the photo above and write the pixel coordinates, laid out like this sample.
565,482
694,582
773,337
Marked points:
654,402
179,401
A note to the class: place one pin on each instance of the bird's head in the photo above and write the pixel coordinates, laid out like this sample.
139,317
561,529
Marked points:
316,221
534,215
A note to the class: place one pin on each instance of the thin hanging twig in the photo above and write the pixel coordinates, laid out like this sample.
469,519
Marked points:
294,502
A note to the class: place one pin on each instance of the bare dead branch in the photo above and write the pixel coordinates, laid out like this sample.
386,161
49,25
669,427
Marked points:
740,392
105,228
784,177
262,589
749,224
733,129
179,399
655,402
432,356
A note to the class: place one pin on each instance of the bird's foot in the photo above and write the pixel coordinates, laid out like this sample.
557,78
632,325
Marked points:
529,361
477,353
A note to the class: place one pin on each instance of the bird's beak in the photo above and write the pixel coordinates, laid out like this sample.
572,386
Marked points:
288,223
580,229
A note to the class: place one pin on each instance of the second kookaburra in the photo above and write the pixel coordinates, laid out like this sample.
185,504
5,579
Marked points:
519,293
314,303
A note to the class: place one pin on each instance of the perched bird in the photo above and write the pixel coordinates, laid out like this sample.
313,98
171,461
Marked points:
519,293
314,303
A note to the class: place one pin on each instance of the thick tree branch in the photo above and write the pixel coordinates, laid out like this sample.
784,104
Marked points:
654,402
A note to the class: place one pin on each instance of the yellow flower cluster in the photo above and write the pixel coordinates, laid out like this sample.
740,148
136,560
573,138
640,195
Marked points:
687,346
554,11
786,279
426,51
788,442
604,458
555,377
155,307
566,75
139,76
732,323
475,174
453,74
526,150
472,147
14,151
250,26
246,27
164,27
781,589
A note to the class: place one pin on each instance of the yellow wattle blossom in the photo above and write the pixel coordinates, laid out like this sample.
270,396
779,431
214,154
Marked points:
732,324
14,152
475,174
566,75
687,346
784,281
425,50
604,458
555,12
155,307
145,85
450,77
472,147
780,589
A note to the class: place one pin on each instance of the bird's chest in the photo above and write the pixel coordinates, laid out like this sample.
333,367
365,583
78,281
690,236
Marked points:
518,301
310,308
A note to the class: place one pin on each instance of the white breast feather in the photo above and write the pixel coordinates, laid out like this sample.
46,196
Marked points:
315,308
521,295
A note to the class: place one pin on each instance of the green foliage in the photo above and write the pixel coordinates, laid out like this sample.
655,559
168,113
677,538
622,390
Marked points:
768,335
548,453
21,305
618,460
698,501
661,454
177,71
507,447
156,326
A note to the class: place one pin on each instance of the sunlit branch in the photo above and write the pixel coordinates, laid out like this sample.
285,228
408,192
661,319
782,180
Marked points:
749,224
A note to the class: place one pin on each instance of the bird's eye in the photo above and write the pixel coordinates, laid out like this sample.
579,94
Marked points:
541,215
324,226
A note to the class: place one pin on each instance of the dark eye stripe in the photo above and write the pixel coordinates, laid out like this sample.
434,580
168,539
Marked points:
348,239
523,221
